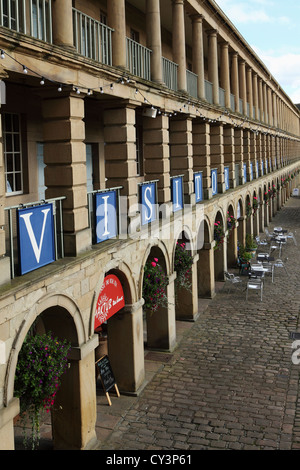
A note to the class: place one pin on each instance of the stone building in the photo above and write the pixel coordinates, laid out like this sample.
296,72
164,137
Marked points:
126,126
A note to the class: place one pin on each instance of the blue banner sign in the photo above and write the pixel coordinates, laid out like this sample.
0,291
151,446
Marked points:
177,193
245,173
106,215
198,185
214,181
148,203
266,166
35,237
226,176
262,168
257,169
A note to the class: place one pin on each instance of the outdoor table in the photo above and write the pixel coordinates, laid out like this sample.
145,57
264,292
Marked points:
265,258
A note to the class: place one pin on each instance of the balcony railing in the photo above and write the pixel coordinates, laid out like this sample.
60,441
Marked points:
138,59
208,91
31,17
170,73
191,80
92,39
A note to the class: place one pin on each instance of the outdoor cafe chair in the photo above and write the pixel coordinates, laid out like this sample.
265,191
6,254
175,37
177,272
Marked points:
278,264
255,284
231,279
268,268
292,236
260,242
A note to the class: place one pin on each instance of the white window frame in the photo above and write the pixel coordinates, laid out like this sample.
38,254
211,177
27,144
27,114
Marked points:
12,153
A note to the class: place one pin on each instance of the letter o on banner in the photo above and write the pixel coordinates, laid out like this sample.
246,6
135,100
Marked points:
110,299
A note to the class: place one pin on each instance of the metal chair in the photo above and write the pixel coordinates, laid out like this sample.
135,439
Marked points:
292,236
260,242
232,279
255,284
278,264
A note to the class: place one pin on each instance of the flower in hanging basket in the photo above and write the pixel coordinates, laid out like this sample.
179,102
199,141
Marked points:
183,262
219,235
231,222
154,286
42,361
248,210
255,204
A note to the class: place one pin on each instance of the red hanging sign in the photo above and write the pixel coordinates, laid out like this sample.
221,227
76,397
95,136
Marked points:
110,300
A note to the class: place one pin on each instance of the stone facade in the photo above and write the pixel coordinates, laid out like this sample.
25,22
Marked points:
90,125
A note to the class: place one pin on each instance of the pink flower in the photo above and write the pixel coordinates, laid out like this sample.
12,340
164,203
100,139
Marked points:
153,264
155,259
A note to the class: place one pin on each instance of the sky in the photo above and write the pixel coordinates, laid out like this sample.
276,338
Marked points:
272,30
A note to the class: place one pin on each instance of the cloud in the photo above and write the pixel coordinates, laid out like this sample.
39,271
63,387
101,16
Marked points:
241,12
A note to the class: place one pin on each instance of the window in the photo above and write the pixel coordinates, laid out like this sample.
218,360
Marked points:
12,153
134,35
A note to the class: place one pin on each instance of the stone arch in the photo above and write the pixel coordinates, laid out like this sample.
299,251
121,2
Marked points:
220,249
232,236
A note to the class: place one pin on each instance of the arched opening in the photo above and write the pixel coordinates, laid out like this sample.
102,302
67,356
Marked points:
185,301
220,240
205,264
60,428
232,238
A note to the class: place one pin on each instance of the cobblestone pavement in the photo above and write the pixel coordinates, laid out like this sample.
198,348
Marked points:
231,383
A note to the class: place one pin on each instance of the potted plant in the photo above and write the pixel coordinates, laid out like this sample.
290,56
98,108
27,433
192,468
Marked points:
219,235
251,246
154,286
42,361
182,265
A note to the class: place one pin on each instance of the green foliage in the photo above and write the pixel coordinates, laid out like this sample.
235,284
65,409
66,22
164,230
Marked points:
182,265
41,363
154,286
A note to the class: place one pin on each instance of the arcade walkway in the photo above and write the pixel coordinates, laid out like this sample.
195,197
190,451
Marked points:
231,383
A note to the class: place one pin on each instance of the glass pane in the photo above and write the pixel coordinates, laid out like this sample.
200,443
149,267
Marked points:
8,143
9,163
9,183
17,162
18,180
16,143
7,122
15,118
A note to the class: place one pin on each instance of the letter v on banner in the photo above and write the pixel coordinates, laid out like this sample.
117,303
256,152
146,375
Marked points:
35,237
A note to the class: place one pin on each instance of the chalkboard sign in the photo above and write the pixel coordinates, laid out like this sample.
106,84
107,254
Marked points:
107,376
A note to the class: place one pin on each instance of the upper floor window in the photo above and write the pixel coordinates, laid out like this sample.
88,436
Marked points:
134,35
12,153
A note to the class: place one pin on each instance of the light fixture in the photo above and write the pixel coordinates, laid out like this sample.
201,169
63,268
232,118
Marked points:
112,86
2,54
101,90
42,82
25,69
60,88
89,92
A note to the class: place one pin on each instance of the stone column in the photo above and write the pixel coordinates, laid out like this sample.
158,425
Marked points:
246,151
198,54
157,154
62,23
65,174
250,91
235,80
255,96
261,100
7,415
224,71
201,154
252,145
178,38
181,154
229,153
74,416
4,260
217,154
161,325
206,271
120,156
242,85
213,74
116,19
126,347
154,39
265,104
187,302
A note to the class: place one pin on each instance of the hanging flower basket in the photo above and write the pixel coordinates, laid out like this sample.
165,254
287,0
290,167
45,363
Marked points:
255,204
219,235
182,265
154,286
42,361
231,222
248,210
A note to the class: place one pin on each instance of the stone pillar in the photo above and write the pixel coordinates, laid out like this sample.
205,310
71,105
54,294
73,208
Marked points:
187,302
116,19
252,145
161,325
265,104
126,347
74,416
201,154
157,155
181,154
261,100
255,96
217,154
242,85
224,71
65,174
235,80
178,35
229,153
206,271
62,23
7,415
239,151
120,156
246,151
213,74
198,54
4,260
154,39
250,91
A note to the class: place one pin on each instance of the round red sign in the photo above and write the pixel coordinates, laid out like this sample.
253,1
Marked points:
110,300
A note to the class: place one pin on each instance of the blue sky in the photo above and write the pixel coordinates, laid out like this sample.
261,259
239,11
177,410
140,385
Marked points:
272,29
